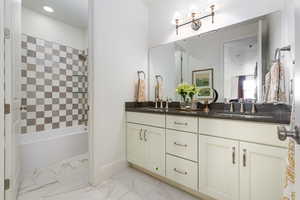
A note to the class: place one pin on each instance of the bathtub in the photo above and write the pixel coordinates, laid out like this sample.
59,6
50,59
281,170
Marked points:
39,150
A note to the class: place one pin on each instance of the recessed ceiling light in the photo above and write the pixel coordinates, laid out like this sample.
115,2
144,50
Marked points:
48,9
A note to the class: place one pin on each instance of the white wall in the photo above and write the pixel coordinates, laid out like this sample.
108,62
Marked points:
161,14
44,27
119,50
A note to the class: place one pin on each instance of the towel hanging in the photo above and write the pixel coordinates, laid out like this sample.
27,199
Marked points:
158,87
141,87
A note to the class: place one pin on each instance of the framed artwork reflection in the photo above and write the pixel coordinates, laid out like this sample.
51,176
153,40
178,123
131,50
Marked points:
204,79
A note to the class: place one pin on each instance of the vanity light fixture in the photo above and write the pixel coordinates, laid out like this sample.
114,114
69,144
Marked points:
195,21
48,9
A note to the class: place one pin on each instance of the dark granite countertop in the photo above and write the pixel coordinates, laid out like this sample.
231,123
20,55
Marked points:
267,113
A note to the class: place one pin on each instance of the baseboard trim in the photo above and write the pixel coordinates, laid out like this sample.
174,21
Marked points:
172,183
109,170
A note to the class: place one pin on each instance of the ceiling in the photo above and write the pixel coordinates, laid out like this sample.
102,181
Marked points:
72,12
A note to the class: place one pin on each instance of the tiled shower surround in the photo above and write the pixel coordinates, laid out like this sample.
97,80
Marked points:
54,86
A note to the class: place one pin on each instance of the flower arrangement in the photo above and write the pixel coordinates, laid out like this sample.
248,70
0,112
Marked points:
182,89
192,91
185,90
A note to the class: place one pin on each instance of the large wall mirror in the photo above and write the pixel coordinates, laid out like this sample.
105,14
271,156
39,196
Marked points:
233,60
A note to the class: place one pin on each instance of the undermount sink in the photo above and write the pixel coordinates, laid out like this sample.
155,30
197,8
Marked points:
248,116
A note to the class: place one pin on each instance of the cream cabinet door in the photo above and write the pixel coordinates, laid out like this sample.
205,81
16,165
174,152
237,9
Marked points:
219,168
261,172
155,149
135,144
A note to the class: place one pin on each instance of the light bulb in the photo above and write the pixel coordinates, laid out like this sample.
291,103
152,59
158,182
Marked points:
48,9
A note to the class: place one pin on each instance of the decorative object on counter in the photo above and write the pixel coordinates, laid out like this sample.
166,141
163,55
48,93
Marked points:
275,80
158,87
195,20
182,90
210,100
206,106
192,91
141,87
204,80
186,90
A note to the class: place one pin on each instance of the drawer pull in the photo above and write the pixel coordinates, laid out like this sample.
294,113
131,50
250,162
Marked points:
181,123
233,155
180,172
145,138
244,158
180,145
141,138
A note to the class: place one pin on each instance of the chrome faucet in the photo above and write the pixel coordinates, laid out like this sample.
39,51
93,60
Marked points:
156,103
167,103
161,104
231,107
227,101
253,108
168,100
242,105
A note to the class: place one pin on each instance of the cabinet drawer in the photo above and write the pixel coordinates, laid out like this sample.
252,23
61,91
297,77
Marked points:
255,132
182,171
182,123
182,144
157,120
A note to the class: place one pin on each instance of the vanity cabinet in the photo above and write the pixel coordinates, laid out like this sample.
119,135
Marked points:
218,158
182,123
135,144
182,144
182,171
146,147
232,170
261,171
219,167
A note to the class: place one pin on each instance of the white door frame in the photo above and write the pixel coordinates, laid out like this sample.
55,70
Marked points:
92,172
12,64
2,164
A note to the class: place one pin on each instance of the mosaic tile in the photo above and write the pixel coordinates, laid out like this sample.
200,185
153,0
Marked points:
48,84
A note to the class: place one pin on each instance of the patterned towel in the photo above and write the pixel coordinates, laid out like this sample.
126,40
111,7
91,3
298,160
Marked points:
275,85
140,91
159,91
290,176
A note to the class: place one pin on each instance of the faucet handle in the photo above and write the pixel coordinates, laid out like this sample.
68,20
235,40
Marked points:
231,107
253,107
242,108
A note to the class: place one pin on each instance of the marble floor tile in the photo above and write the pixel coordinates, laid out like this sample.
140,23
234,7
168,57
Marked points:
68,181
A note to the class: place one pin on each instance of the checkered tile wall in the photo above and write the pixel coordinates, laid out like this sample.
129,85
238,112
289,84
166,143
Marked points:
54,86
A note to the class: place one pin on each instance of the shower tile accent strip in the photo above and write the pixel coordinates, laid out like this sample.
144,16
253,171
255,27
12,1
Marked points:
54,86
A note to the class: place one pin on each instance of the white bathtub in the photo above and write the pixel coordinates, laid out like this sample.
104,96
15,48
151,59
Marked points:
39,150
